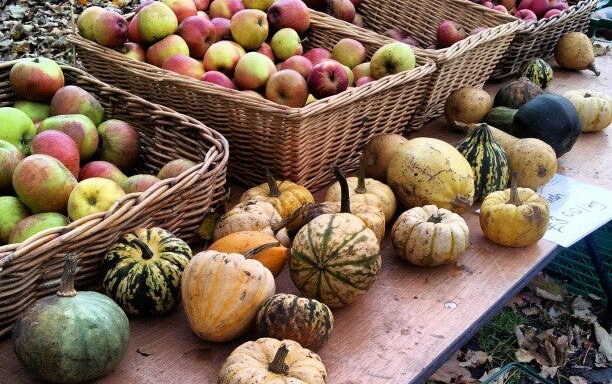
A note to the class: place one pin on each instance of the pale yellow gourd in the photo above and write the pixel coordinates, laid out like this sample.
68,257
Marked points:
594,109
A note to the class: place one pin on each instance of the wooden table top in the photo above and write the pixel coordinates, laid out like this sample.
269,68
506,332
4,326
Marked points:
410,321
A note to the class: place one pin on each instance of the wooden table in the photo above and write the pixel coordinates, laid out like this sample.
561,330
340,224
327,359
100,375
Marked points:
412,319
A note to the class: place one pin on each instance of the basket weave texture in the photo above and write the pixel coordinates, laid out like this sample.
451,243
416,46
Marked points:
467,63
32,269
538,39
294,143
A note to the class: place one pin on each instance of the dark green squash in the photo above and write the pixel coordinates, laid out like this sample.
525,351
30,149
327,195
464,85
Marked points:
501,118
550,118
539,72
143,271
488,160
516,93
71,337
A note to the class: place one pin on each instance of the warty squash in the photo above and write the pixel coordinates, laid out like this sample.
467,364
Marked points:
594,109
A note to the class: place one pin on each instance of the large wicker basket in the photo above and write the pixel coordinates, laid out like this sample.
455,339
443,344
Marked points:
467,63
294,143
538,39
31,269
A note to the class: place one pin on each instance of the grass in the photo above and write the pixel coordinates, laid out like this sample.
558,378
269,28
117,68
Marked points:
497,337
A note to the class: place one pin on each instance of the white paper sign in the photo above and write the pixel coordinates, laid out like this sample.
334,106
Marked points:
576,209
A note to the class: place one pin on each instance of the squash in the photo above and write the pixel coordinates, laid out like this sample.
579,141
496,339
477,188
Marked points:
287,316
142,271
335,258
501,117
574,50
427,171
515,217
539,72
488,160
366,191
71,337
516,93
273,258
252,215
222,292
550,118
594,109
429,236
378,152
268,360
467,105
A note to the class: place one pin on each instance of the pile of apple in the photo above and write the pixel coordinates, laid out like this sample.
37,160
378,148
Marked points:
528,10
448,33
254,46
58,155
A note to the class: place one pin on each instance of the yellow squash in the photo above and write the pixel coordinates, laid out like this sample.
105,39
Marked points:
594,109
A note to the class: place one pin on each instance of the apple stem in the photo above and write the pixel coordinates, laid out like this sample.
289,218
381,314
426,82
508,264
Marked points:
305,40
274,191
361,185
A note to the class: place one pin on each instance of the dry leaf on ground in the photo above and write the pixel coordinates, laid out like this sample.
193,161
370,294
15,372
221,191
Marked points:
604,340
578,380
452,372
475,359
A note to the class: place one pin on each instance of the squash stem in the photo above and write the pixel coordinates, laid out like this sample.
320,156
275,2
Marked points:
278,365
345,200
435,218
274,191
514,196
592,67
260,248
66,288
302,210
361,186
145,251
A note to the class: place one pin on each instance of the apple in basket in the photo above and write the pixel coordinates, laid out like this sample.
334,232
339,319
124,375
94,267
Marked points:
390,59
164,49
327,78
410,41
91,196
138,183
36,79
79,127
174,168
349,52
395,33
253,71
17,128
292,14
185,65
287,87
133,51
249,28
361,70
222,56
104,169
224,8
317,55
262,5
182,8
538,7
552,13
199,34
298,63
218,78
155,22
35,110
31,225
71,100
59,145
561,5
12,211
286,43
201,5
119,144
86,21
266,49
525,14
10,156
222,28
500,8
110,29
342,9
449,33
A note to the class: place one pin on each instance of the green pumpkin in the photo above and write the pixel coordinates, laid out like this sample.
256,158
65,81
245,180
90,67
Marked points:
488,160
539,72
143,271
501,118
287,316
71,337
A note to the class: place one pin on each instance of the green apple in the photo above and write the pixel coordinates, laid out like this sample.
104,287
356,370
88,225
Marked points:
36,111
156,21
12,211
249,28
31,225
310,99
93,196
73,100
17,128
253,71
390,59
351,76
79,127
86,21
10,156
349,52
222,56
262,5
361,70
286,43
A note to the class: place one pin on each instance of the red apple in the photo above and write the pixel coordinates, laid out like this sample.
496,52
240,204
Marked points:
86,21
557,4
203,15
133,51
395,33
166,48
222,56
358,20
327,78
79,127
292,14
199,34
253,71
500,8
361,70
538,7
201,5
174,168
317,55
265,49
182,8
299,64
74,100
218,78
287,87
410,41
10,156
36,79
224,8
119,144
222,28
342,9
449,33
102,169
363,80
133,34
184,65
526,14
138,183
488,4
110,29
59,145
552,13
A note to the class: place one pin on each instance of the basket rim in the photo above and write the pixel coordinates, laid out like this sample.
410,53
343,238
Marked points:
218,152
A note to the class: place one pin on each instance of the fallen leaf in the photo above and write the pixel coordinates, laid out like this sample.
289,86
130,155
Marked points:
452,372
548,372
578,380
547,288
531,311
16,11
499,380
523,356
475,359
604,340
600,360
549,295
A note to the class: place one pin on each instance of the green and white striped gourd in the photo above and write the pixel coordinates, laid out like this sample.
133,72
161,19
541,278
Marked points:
143,271
539,72
488,160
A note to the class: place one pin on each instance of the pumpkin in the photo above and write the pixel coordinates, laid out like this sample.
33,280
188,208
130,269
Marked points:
514,217
427,171
268,360
252,215
516,93
539,72
71,337
594,109
378,152
335,258
366,191
488,160
550,118
142,271
501,117
430,236
467,105
222,293
287,316
273,258
574,50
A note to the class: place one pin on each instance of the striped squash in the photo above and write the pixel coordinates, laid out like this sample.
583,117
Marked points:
287,316
143,271
539,72
335,259
488,160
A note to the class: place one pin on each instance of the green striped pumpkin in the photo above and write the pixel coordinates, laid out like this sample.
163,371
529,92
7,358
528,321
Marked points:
143,271
501,118
488,160
539,72
286,316
335,259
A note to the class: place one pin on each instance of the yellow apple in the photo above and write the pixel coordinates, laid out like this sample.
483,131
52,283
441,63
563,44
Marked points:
92,196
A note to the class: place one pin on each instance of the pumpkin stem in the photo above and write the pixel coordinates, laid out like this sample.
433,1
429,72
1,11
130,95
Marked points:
361,186
274,191
253,251
66,288
514,196
303,209
145,251
435,218
587,95
345,200
278,365
592,67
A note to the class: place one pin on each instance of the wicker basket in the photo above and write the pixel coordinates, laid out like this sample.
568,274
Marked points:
31,269
467,63
539,39
294,143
